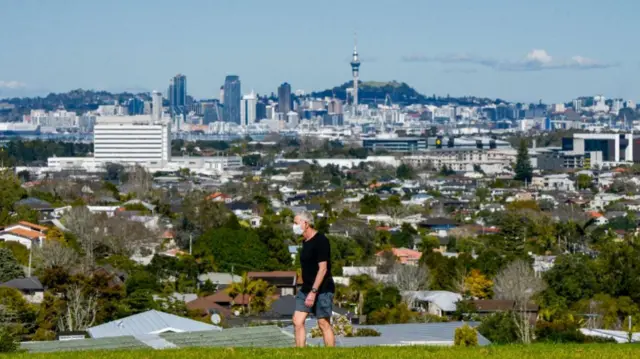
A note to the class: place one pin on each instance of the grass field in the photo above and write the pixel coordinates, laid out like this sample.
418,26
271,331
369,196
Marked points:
538,351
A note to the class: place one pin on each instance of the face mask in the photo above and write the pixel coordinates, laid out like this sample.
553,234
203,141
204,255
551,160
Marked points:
297,229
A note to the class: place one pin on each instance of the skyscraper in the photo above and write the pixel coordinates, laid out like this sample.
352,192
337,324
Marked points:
355,71
156,106
178,95
232,99
284,98
248,109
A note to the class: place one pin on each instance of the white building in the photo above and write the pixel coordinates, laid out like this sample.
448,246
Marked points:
292,119
53,119
132,140
248,109
156,106
490,161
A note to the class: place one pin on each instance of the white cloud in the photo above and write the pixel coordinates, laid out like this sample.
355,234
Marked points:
535,60
11,84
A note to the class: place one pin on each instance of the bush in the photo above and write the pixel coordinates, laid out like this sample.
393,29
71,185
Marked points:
564,331
499,328
8,341
466,336
366,332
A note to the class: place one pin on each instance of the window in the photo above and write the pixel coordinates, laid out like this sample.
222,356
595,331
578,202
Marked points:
286,291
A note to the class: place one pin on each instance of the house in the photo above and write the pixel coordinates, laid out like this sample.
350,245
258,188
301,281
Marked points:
31,288
25,233
435,302
220,197
35,204
221,279
411,334
256,337
286,282
486,307
403,256
437,224
149,322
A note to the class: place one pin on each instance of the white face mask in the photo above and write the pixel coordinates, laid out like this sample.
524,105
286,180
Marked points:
297,229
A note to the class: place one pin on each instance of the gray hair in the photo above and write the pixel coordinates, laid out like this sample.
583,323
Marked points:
306,216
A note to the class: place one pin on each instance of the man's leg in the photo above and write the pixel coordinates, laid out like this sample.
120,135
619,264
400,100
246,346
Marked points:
327,332
298,326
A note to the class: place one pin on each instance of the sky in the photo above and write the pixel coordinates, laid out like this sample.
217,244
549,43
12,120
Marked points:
517,50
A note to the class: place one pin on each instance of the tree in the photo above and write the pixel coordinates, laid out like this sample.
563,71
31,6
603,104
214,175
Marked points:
523,168
86,227
410,278
258,294
405,171
478,285
114,172
80,312
9,266
54,253
499,328
518,282
233,248
360,284
466,336
583,181
572,278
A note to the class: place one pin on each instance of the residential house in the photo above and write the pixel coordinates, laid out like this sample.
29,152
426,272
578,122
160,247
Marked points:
31,288
24,233
286,282
411,334
435,302
149,322
403,256
220,279
485,307
220,197
437,224
35,204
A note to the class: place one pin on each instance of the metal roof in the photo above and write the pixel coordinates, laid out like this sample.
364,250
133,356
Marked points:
150,322
406,334
265,336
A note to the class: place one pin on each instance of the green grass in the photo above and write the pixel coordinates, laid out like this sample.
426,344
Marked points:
538,351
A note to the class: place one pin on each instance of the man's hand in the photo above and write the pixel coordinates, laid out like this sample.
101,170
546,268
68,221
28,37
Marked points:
311,298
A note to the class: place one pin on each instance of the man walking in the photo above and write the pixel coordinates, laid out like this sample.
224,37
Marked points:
316,294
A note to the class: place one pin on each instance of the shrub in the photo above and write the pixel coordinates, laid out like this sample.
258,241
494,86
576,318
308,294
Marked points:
499,328
564,331
366,332
8,341
466,336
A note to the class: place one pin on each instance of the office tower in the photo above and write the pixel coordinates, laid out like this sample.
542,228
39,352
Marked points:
132,139
178,95
135,106
221,94
156,106
232,99
355,71
261,111
284,98
248,109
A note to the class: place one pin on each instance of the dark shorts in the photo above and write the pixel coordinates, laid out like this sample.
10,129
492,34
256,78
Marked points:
322,308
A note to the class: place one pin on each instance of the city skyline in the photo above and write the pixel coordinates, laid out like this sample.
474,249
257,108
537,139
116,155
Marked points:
542,51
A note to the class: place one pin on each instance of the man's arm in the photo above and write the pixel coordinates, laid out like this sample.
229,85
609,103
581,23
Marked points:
322,271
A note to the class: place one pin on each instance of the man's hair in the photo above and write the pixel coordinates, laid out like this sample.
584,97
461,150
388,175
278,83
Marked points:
307,217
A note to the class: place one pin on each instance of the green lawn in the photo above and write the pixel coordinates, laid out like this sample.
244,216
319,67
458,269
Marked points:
538,351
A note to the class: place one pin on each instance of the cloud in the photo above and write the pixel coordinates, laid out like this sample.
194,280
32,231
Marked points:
535,60
11,84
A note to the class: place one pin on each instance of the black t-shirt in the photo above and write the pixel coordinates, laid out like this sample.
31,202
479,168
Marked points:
314,251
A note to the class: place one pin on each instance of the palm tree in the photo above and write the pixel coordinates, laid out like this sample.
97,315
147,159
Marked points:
360,284
257,293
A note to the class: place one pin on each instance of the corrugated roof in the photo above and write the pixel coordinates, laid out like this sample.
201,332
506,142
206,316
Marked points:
25,284
148,323
266,336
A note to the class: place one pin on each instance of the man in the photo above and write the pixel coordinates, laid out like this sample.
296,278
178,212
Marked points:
316,294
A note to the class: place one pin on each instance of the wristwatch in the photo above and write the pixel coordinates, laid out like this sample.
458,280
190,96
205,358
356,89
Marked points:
314,290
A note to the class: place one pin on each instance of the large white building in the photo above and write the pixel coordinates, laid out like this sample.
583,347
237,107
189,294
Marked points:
248,109
132,140
464,159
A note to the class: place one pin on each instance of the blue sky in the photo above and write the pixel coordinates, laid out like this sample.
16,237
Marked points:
519,50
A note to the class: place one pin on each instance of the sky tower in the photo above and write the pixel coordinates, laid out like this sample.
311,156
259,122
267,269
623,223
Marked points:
355,71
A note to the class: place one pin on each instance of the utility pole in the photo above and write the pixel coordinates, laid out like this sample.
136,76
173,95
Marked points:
29,268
